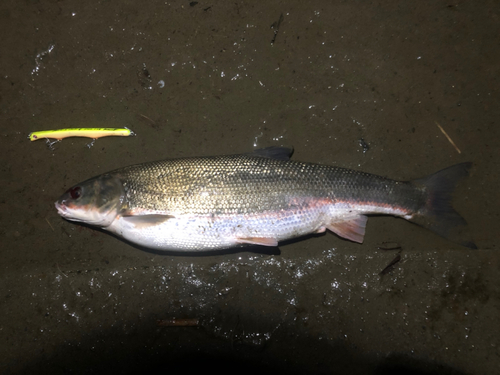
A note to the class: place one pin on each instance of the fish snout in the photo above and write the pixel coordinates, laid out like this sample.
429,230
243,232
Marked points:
61,208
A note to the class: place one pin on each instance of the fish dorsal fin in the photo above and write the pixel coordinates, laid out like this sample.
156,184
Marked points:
353,228
262,241
274,152
144,221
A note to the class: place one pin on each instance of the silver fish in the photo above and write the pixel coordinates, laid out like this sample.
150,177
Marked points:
261,198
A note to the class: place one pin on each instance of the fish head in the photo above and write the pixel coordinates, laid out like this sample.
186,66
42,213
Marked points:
95,202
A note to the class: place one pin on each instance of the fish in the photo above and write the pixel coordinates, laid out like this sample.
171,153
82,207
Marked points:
257,198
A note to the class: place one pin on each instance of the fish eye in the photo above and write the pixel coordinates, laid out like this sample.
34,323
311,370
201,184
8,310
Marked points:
75,192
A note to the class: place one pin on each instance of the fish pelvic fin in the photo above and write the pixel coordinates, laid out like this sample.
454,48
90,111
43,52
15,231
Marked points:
352,229
261,241
438,215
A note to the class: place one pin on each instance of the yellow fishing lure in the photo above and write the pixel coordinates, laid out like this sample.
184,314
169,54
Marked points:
93,133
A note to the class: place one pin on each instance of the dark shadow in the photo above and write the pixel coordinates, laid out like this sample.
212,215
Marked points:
148,348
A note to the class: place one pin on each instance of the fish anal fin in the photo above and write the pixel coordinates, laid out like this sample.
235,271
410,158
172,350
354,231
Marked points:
352,229
144,221
262,241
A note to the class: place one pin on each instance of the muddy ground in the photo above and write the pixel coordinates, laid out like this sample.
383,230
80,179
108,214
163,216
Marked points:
364,85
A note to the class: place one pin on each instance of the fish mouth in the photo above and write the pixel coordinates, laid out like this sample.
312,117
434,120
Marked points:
61,208
82,214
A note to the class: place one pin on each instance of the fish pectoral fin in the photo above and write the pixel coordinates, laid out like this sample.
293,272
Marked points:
353,229
144,221
262,241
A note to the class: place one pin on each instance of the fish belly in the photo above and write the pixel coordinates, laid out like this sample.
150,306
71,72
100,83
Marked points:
213,232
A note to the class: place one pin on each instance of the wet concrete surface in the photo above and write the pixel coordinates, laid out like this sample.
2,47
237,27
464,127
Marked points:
362,85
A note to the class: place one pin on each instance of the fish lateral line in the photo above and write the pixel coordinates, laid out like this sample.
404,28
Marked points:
93,133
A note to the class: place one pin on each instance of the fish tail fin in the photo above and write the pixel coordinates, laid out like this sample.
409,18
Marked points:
438,215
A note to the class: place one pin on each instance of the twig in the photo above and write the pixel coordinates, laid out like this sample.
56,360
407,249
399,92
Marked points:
390,266
147,118
276,27
47,220
57,264
448,137
188,322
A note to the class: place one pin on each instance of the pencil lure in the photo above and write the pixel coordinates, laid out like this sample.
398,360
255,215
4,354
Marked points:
93,133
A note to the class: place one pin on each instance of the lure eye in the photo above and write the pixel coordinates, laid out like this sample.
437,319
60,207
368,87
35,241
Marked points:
75,192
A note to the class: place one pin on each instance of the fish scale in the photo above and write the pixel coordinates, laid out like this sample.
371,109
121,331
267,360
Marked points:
243,184
216,202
